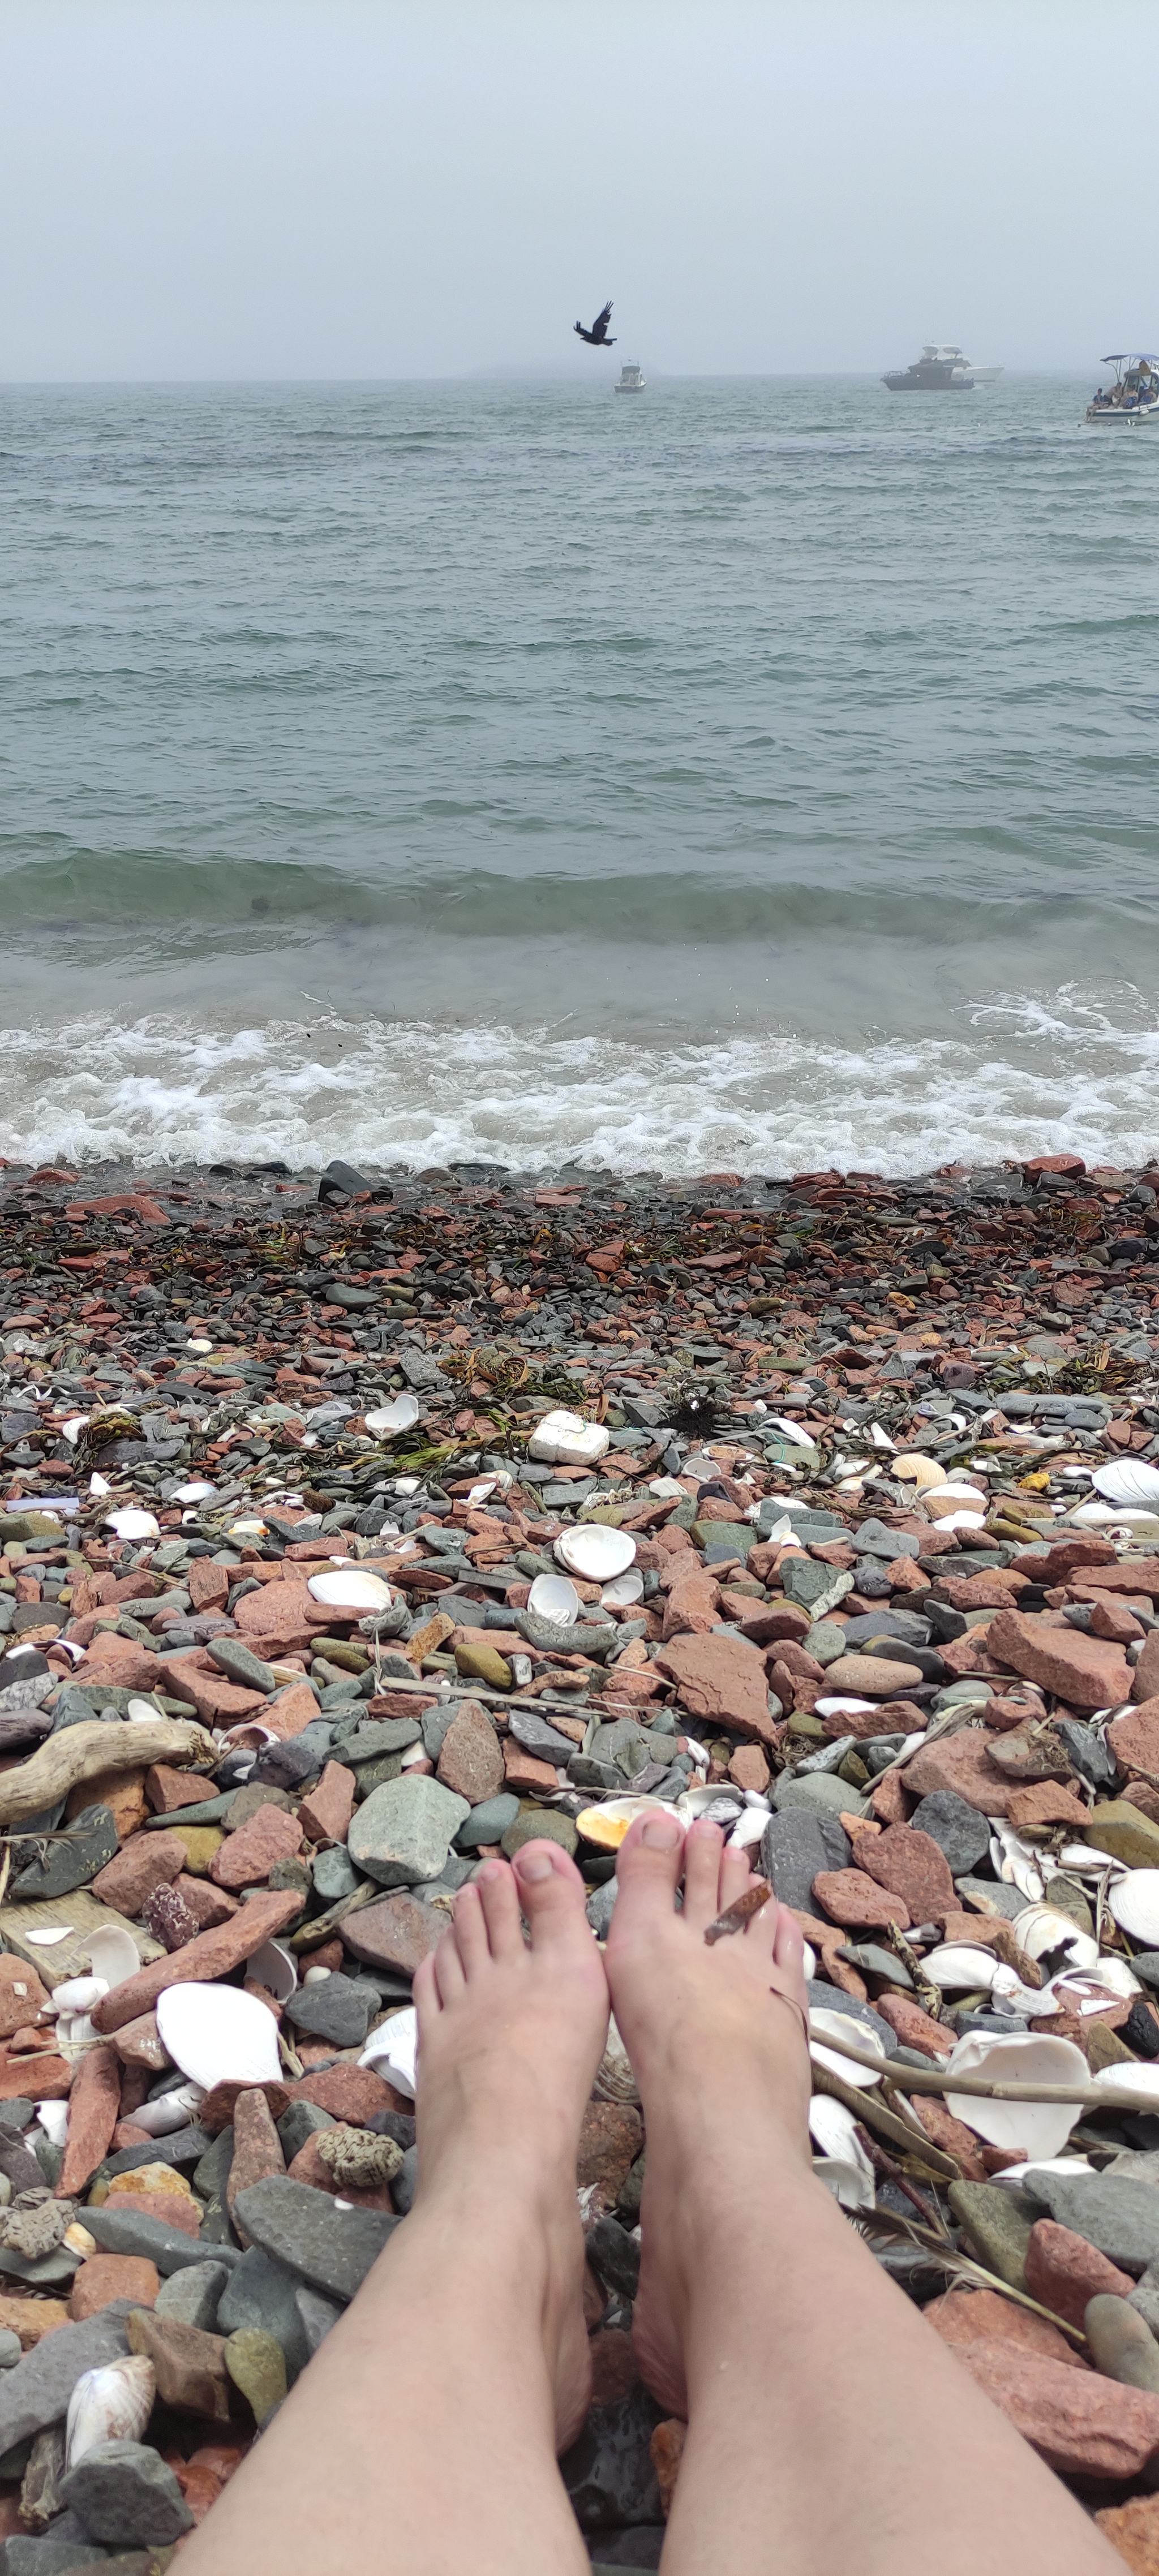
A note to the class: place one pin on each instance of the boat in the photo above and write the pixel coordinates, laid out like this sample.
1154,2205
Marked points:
631,378
941,369
1134,396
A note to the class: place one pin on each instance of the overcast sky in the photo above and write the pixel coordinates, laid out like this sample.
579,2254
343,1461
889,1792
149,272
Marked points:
338,188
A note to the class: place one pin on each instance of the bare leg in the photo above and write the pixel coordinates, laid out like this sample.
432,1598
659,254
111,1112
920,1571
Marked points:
423,2437
824,2418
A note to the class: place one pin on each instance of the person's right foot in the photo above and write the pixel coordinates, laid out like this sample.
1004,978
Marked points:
722,2067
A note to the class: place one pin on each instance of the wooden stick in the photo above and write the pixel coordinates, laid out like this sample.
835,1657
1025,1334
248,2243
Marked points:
83,1752
886,2123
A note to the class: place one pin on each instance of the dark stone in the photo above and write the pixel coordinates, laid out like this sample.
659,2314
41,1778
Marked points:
615,2255
538,1738
1117,2214
608,2471
331,2248
74,1856
957,1829
37,2391
263,2293
124,2491
128,2231
796,1847
1087,1752
338,2010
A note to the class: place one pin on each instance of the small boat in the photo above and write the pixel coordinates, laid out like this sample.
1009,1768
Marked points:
937,371
631,378
1134,396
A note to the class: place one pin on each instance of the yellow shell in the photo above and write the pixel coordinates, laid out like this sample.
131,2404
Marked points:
915,1469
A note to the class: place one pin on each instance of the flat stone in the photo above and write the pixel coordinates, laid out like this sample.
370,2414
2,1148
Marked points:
1124,1831
960,1764
849,1898
721,1681
71,1860
37,2392
325,1813
330,2248
913,1865
191,2297
1121,2343
135,2231
1081,2424
959,1830
1063,2271
302,2120
22,1996
821,1794
1085,1671
247,1856
146,1861
188,2364
796,1847
400,1931
998,2226
338,2009
404,1831
123,2493
105,2277
334,1875
1133,2530
1113,2212
487,1823
539,1824
471,1758
262,2295
257,2149
210,1956
984,2316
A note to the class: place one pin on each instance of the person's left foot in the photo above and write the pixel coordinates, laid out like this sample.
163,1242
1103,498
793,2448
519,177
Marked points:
510,2038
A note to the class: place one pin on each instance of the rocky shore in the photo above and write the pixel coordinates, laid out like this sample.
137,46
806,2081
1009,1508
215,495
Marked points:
359,1525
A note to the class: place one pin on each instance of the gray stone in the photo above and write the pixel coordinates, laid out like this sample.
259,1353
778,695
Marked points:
1088,1752
334,1875
608,2471
240,1664
821,1997
827,1639
301,2121
876,1962
624,1743
1113,2211
190,2298
368,1737
992,1894
10,2348
330,2248
601,1907
123,2492
261,2292
538,1738
316,2315
406,2182
181,2148
957,1829
487,1823
37,2391
821,1795
1144,2298
1121,2343
796,1847
814,1587
338,2009
436,1721
69,1861
998,2224
874,1539
404,1831
26,2555
1146,1965
130,2232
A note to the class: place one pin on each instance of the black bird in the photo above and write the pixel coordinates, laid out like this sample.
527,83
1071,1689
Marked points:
597,337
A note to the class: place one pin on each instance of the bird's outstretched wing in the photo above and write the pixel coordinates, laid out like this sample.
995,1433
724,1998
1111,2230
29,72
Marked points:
584,335
600,325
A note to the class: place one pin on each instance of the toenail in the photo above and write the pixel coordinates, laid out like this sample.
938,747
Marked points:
535,1866
661,1833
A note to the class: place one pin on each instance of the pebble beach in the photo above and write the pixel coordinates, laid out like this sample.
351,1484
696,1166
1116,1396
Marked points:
361,1524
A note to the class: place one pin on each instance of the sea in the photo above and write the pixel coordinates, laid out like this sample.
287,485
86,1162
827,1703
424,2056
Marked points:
756,775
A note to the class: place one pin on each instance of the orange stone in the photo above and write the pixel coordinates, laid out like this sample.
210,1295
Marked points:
105,2277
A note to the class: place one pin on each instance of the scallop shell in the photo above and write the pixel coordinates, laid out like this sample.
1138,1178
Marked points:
217,2034
595,1551
133,1524
109,2405
276,1969
1022,2057
350,1589
392,2049
170,2111
1128,1480
615,2081
749,1829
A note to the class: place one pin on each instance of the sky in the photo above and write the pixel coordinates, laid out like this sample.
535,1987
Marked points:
247,189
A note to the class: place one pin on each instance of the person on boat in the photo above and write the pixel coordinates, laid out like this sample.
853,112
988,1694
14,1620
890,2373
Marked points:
829,2428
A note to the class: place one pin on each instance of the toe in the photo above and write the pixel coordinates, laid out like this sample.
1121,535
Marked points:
470,1930
647,1871
551,1894
450,1977
702,1898
789,1950
499,1898
735,1876
426,1996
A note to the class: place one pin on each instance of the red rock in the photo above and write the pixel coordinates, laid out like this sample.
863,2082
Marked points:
951,2135
961,1763
188,2364
611,2136
1047,1802
748,1768
247,1857
888,1800
53,2078
199,2487
1133,2529
257,2149
168,1791
216,2110
983,2316
614,2367
913,1865
471,1760
915,2028
524,1773
284,1616
217,1701
105,2277
325,1814
1138,1576
666,2450
93,2111
1063,1559
398,1932
212,1954
1071,1164
307,2166
721,1681
22,1996
1111,1619
139,2044
692,1608
294,1709
208,1905
120,1661
1081,2424
208,1584
1083,1671
222,2458
871,1676
767,1621
174,2208
1063,2272
857,1902
352,2093
145,1862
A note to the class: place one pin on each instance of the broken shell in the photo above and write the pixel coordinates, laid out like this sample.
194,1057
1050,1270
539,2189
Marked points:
915,1469
78,1994
852,2188
1014,1861
843,2165
1143,2080
1041,1928
553,1597
217,2034
1128,1480
109,2405
956,1967
350,1589
748,1829
860,2034
78,2240
606,1826
615,2081
1023,2057
565,1440
197,1492
1135,1905
620,1593
276,1970
113,1956
391,2050
170,2111
402,1415
595,1551
133,1524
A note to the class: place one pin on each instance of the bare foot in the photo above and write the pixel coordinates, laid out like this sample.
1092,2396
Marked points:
510,2037
723,2069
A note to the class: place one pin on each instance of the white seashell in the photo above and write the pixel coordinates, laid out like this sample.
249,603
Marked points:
1042,1927
99,1485
132,1523
217,2033
1143,2080
391,2050
47,1938
402,1415
1134,1902
196,1492
1013,1860
73,1428
350,1589
1128,1480
553,1597
824,2024
849,2185
276,1969
717,1803
78,1994
749,1829
615,2081
956,1520
620,1593
836,1707
595,1551
113,1956
141,1712
788,1430
53,2118
1089,1990
170,2111
667,1487
247,1529
956,1967
1068,2169
1083,1860
834,2130
809,1967
914,1468
1023,2058
565,1440
109,2405
317,1976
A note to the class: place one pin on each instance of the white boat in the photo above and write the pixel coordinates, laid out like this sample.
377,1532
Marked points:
631,378
941,369
1133,399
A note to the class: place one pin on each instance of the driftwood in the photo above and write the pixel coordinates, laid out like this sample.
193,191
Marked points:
82,1752
886,2124
908,2079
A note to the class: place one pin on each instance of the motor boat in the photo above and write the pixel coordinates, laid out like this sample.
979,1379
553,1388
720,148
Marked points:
1134,396
937,371
631,378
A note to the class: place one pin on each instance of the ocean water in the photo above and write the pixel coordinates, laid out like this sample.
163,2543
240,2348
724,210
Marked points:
755,774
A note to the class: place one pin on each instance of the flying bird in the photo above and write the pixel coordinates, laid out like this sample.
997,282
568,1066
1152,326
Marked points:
597,337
